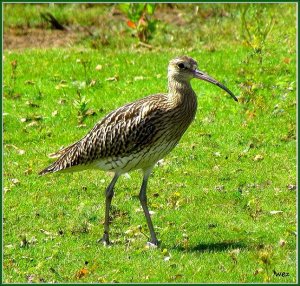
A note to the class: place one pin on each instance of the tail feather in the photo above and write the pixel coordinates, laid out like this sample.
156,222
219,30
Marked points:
62,151
54,167
68,158
71,159
46,170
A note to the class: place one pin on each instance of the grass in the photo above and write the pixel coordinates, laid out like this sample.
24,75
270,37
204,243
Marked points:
224,200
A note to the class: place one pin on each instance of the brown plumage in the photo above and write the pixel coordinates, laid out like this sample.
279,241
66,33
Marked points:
138,134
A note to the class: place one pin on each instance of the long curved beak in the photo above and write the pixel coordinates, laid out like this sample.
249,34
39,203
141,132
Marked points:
206,77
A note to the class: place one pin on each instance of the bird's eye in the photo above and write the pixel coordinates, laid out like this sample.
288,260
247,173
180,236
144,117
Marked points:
181,66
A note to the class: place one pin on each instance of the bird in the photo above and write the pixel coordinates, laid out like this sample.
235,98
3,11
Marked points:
138,135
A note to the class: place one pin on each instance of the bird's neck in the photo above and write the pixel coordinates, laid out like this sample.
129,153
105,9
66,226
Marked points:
181,93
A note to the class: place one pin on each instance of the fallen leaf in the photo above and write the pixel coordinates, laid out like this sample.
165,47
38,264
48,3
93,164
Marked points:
165,252
29,82
32,124
30,278
234,254
15,181
28,171
282,242
291,187
219,188
31,104
90,112
216,168
38,117
102,280
235,251
54,113
82,273
62,101
131,24
93,82
276,212
20,151
128,232
250,114
114,78
24,242
45,232
258,157
258,271
138,78
81,125
31,118
185,241
60,86
177,276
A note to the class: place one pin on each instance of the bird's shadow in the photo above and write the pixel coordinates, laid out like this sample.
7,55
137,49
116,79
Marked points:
212,247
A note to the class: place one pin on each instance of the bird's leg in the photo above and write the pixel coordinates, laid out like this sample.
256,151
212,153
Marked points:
143,200
109,193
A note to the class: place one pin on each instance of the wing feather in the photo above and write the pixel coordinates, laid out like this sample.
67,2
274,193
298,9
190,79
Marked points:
124,131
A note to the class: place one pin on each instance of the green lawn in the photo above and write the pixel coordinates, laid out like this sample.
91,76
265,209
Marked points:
224,200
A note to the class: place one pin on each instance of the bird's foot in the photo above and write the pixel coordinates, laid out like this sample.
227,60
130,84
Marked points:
154,243
104,240
151,245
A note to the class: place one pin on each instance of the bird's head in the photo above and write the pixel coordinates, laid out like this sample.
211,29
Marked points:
185,68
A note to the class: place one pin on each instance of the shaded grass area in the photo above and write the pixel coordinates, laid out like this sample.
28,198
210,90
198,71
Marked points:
223,200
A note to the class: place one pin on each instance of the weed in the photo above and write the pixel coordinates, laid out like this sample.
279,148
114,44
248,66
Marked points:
86,64
265,259
140,19
13,78
81,105
257,23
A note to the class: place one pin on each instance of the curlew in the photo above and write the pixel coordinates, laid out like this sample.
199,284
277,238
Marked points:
137,135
